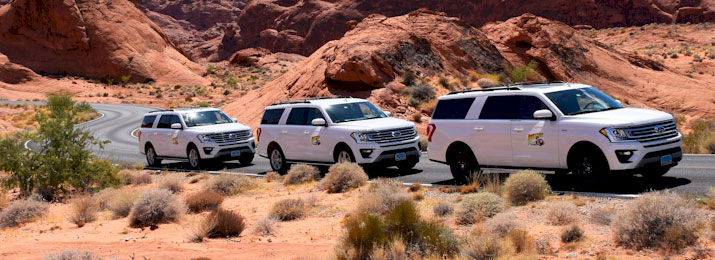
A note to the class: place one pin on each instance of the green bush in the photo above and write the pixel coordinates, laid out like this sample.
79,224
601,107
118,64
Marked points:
526,186
475,207
419,94
524,72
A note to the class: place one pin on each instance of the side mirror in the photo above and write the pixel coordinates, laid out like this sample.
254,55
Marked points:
387,113
319,122
176,126
543,114
235,120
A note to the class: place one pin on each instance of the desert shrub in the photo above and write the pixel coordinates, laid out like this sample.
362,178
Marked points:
646,221
155,207
572,234
523,72
475,207
423,143
141,178
301,173
210,69
343,177
381,196
415,187
520,240
173,183
417,117
21,212
363,233
119,202
273,176
444,82
202,229
204,200
418,196
230,184
700,134
419,94
265,226
602,216
226,223
84,210
408,78
288,209
543,246
394,250
483,248
72,254
561,213
442,209
502,223
709,144
526,186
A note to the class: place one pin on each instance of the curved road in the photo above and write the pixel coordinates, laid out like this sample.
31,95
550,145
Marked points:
694,174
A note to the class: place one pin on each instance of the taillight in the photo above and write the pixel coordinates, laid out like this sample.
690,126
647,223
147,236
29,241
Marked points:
430,131
258,134
139,134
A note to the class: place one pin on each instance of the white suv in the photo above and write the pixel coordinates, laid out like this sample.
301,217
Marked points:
551,126
324,131
196,134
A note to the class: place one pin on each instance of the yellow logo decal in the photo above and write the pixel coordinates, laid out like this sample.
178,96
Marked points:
536,139
315,140
173,140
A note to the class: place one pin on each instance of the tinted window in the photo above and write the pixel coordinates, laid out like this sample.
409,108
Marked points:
303,116
452,108
527,105
271,117
167,120
499,107
582,101
148,121
205,118
354,112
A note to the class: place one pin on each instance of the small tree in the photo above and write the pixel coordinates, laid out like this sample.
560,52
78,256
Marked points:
522,73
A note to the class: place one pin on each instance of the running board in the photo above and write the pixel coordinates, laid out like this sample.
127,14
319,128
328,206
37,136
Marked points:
310,163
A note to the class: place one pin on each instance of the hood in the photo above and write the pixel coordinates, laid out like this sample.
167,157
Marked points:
220,128
377,124
627,116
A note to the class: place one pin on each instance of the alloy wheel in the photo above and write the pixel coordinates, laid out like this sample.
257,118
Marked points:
276,160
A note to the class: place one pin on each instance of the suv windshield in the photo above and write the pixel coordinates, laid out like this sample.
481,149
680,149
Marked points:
205,118
582,101
353,112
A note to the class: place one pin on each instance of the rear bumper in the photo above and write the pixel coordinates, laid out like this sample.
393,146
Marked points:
645,155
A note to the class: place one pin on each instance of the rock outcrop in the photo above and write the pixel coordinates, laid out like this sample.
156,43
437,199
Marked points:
13,73
92,38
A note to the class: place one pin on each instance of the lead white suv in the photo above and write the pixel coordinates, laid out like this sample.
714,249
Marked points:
323,131
552,126
196,134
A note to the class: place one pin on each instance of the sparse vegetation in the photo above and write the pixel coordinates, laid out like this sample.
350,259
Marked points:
343,177
22,211
526,186
483,248
119,202
419,94
602,216
520,241
423,143
72,254
442,209
288,209
476,207
173,183
301,173
562,213
231,184
502,223
572,234
84,210
272,177
226,223
524,72
141,178
701,138
408,78
155,207
265,226
381,196
204,200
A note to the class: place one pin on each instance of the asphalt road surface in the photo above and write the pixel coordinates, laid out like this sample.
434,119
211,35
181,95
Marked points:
695,174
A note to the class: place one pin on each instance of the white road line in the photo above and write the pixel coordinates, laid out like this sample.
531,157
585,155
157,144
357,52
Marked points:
134,133
27,142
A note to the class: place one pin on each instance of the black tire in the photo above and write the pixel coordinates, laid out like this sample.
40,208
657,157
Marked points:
151,159
590,166
654,173
277,160
246,159
408,165
463,164
195,161
344,155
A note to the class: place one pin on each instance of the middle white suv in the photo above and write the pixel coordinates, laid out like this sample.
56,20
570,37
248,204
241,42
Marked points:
323,131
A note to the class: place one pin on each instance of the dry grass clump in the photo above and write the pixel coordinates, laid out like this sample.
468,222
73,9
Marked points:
395,250
561,213
174,183
301,173
231,184
72,254
502,223
119,202
141,178
343,177
442,209
381,196
21,212
485,247
572,234
657,220
204,200
84,210
526,186
424,143
226,223
418,196
155,207
272,177
602,216
475,207
265,226
520,241
415,187
288,209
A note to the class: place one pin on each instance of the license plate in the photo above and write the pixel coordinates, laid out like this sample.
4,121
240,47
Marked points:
400,156
235,153
666,160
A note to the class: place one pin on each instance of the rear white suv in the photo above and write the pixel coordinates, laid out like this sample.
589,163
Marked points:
196,134
323,131
550,126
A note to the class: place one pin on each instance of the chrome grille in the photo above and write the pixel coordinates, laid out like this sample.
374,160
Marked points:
393,135
652,132
230,137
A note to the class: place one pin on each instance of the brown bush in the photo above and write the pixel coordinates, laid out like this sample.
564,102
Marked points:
173,183
561,213
301,173
502,223
442,209
483,248
72,254
265,226
424,143
273,176
227,223
343,177
414,187
155,207
119,202
21,212
475,207
526,186
520,240
141,178
288,209
394,250
572,234
381,196
647,221
204,200
202,229
84,210
231,184
602,216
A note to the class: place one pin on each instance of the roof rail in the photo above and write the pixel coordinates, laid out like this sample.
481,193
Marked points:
467,90
535,82
160,110
305,100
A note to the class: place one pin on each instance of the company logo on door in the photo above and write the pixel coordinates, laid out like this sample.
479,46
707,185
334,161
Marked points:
315,140
536,139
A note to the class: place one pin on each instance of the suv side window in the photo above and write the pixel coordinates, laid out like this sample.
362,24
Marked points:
148,121
527,105
303,116
452,108
271,117
167,120
499,107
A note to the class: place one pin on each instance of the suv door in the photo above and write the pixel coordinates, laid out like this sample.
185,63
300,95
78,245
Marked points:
534,141
166,141
491,136
302,138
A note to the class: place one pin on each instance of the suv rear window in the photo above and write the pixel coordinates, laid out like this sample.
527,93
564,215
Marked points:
272,116
167,120
303,116
452,108
148,121
511,107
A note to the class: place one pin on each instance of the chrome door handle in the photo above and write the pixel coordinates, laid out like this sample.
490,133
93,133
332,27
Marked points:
479,129
518,129
284,131
306,132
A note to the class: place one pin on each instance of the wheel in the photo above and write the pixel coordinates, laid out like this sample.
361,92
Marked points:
463,165
654,173
278,161
151,159
246,159
408,165
344,155
589,166
195,160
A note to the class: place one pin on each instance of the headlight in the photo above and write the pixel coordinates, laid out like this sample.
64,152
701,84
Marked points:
359,137
203,138
614,134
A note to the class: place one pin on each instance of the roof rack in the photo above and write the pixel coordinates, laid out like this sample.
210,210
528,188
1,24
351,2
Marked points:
535,82
160,110
306,100
502,86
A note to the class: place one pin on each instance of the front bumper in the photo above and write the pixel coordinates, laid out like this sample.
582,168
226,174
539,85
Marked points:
385,153
646,154
227,151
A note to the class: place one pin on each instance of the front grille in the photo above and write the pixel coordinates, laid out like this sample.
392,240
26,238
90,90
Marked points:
230,137
393,135
652,132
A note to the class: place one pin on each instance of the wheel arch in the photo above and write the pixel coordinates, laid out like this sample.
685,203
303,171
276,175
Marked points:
146,146
273,145
338,146
189,145
580,146
452,148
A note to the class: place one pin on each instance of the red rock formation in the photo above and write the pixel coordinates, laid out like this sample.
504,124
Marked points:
14,74
91,38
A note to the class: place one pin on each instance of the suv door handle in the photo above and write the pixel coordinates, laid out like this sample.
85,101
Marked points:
284,131
518,129
306,132
479,129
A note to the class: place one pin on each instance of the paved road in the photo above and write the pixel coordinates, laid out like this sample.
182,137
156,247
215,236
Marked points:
695,174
